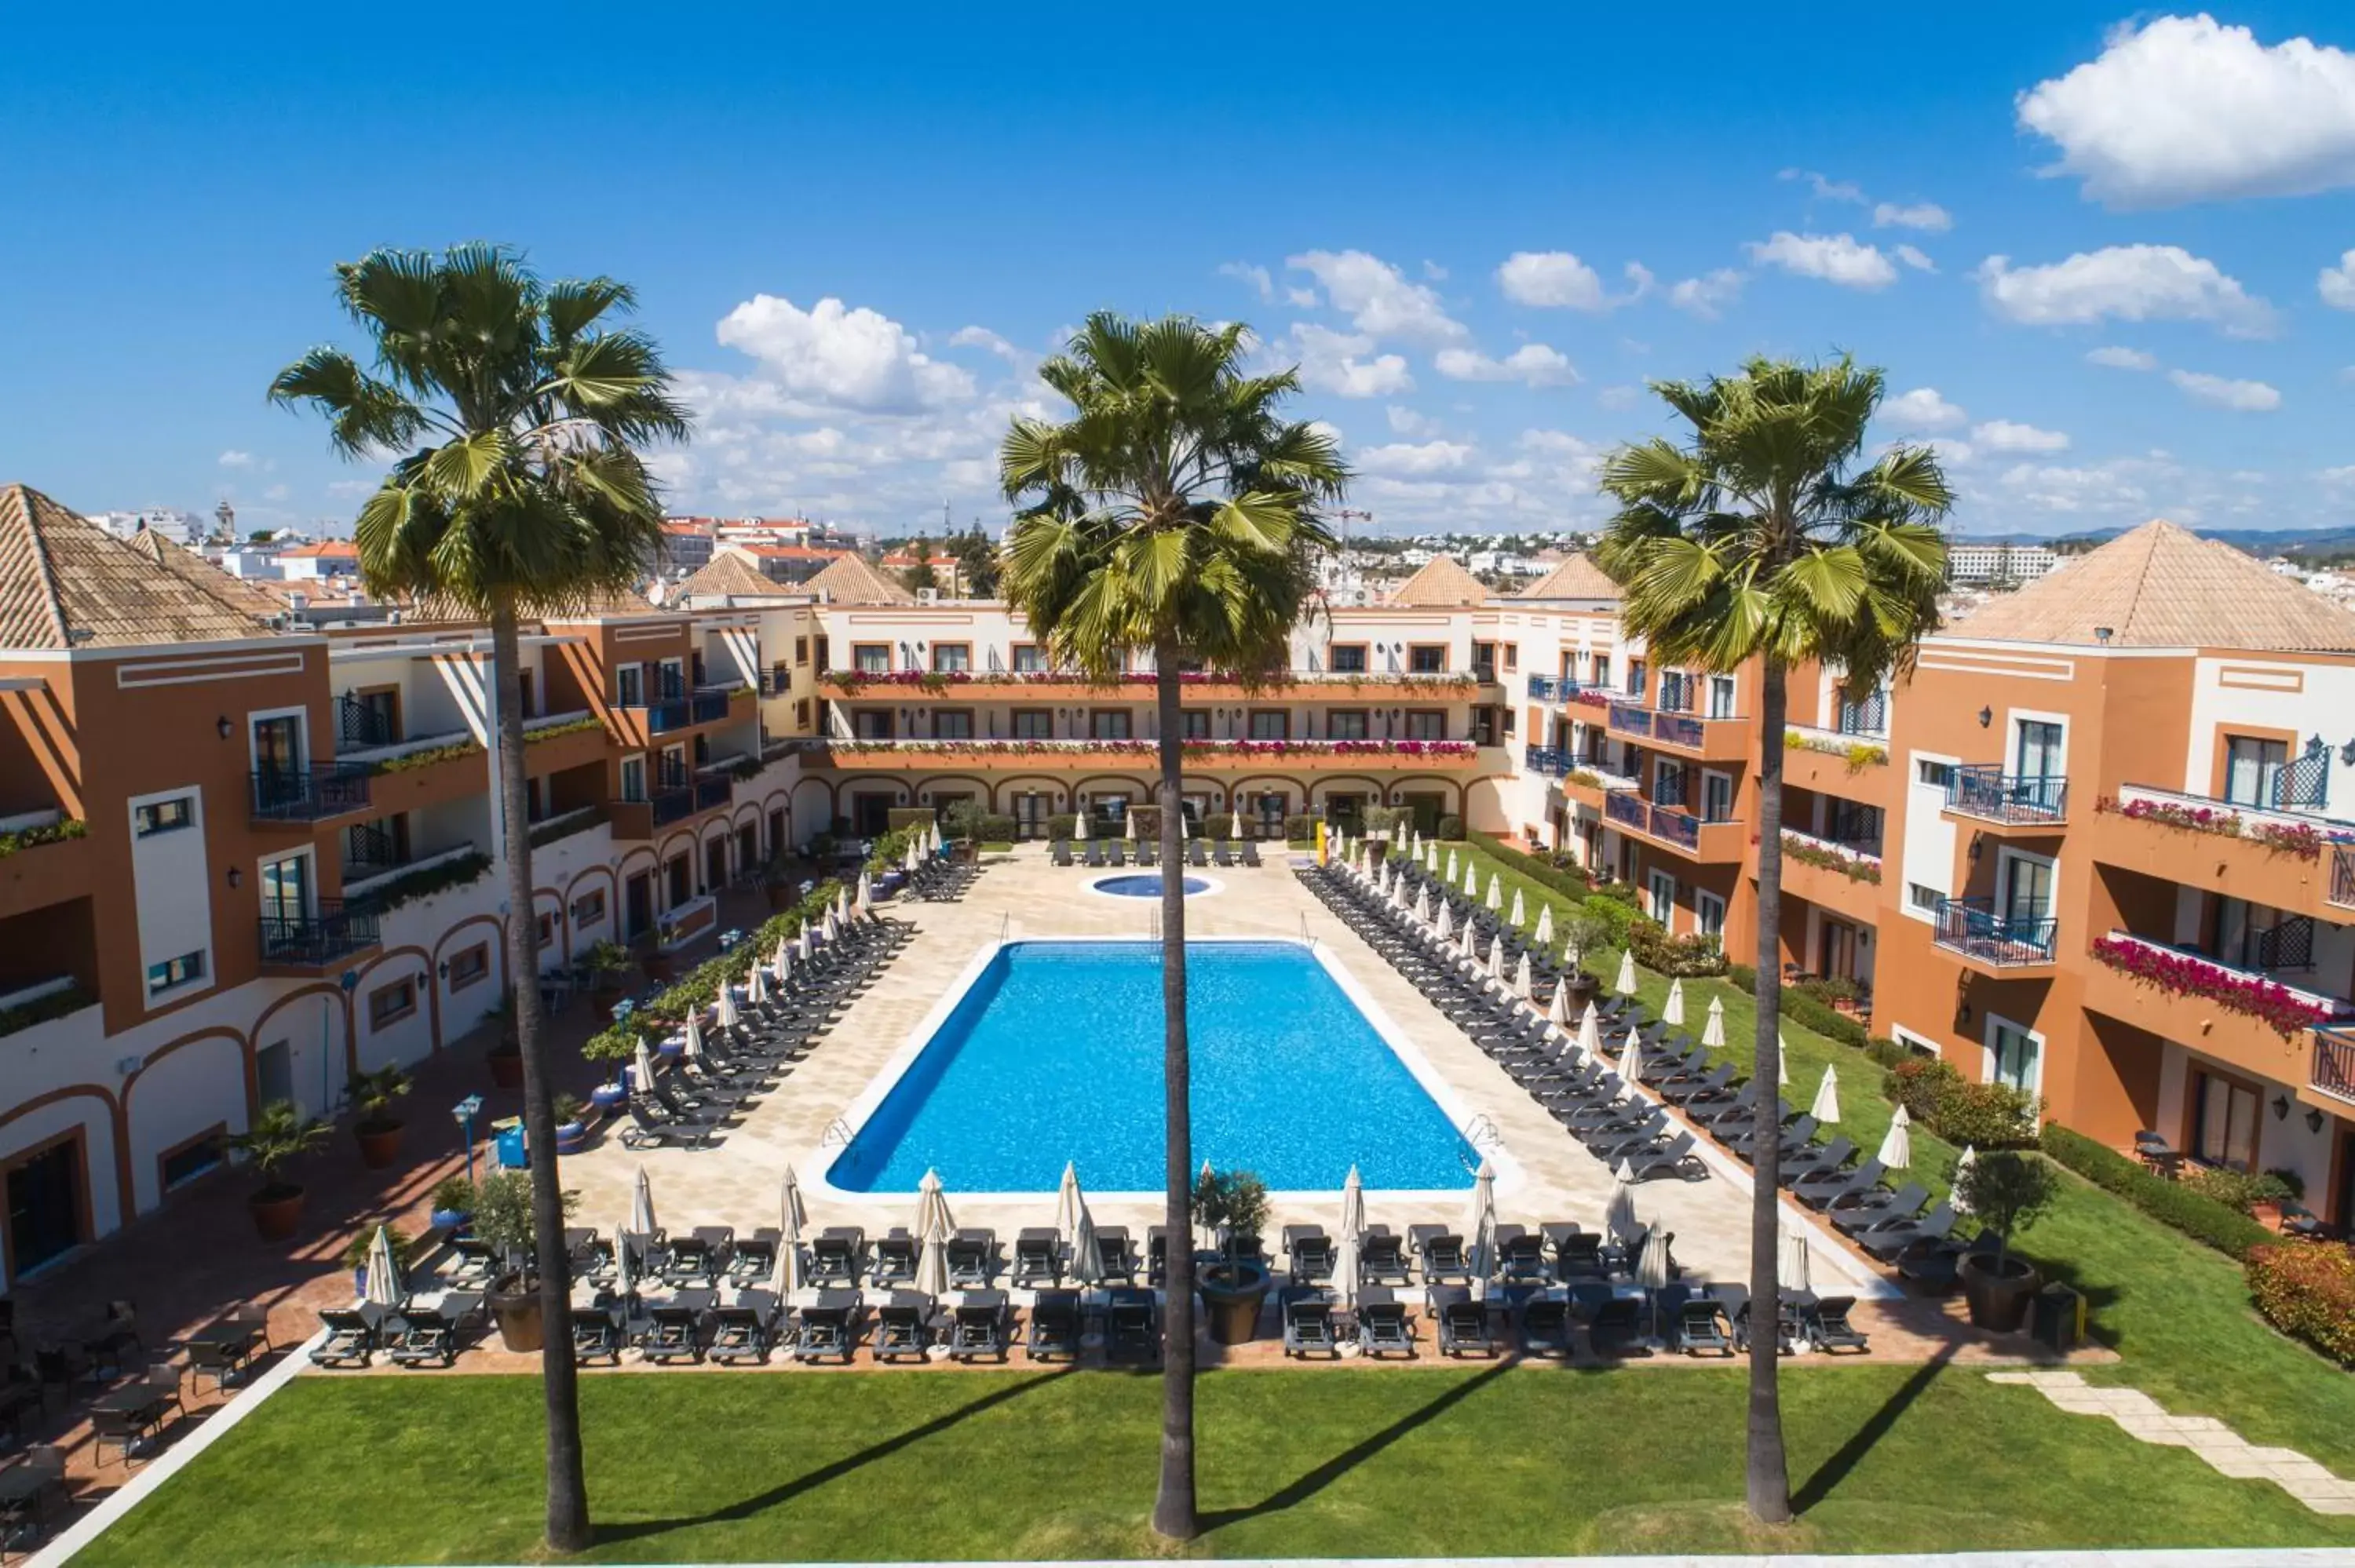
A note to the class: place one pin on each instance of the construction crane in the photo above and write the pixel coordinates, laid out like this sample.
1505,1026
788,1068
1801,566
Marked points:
1345,515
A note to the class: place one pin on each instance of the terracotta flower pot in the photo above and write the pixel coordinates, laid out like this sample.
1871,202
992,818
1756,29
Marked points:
379,1143
516,1313
277,1211
1999,1298
1232,1294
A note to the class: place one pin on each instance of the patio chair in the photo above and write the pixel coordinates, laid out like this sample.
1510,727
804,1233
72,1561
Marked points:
1381,1258
223,1363
1620,1326
1251,853
116,1340
1132,1326
1545,1327
1677,1157
1463,1322
673,1334
1829,1327
1038,1256
1308,1326
1115,1260
428,1336
895,1258
1384,1328
350,1341
828,1329
40,1497
1442,1252
753,1261
121,1430
652,1128
1056,1328
838,1255
1308,1255
740,1334
1698,1325
973,1259
903,1327
979,1327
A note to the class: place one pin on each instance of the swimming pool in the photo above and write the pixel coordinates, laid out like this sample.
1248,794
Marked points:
1146,885
1053,1052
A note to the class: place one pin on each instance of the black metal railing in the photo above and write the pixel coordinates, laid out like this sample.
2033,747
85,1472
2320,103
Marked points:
709,705
339,929
2303,782
2342,875
368,850
1985,790
307,794
670,774
2333,1062
711,792
1971,927
2288,946
673,805
360,724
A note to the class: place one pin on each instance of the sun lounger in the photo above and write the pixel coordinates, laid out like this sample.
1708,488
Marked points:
1381,1258
1869,1213
1829,1327
1520,1256
838,1255
696,1258
1308,1325
1195,854
1463,1322
1827,1187
1115,1260
1619,1326
1579,1256
740,1334
1545,1327
1132,1326
1308,1254
1056,1325
351,1339
980,1326
428,1336
1251,853
753,1261
1220,855
973,1259
1116,852
1094,858
903,1326
1676,1158
1698,1325
1441,1250
1059,852
674,1333
1790,1322
1038,1256
1822,1157
1384,1328
599,1332
828,1330
1886,1243
651,1128
895,1258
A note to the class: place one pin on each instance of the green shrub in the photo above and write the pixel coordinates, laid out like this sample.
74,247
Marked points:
1568,884
1991,1116
40,1010
1809,1013
1615,916
1888,1053
64,828
908,817
425,881
1300,828
1451,830
1679,956
2236,1188
2307,1292
1381,818
1620,893
701,986
1062,825
2170,1203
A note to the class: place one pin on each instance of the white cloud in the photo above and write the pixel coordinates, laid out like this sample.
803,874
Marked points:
2343,475
2186,109
1532,363
833,355
1301,298
1378,298
2337,284
1403,458
1927,217
2222,392
2004,436
1433,271
1922,409
1835,257
1344,364
982,337
1914,259
1709,294
1329,430
1558,280
2123,358
275,492
1621,397
1950,453
1408,422
1823,189
2123,282
233,459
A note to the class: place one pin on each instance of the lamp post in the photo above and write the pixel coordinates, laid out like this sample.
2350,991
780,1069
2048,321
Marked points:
465,1112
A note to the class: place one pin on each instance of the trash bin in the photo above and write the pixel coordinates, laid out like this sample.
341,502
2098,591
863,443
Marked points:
2057,1319
506,1139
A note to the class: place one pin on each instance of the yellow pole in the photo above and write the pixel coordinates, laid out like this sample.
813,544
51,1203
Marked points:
1320,843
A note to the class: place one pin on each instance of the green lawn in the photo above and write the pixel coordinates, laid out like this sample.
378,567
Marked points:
723,1466
2176,1311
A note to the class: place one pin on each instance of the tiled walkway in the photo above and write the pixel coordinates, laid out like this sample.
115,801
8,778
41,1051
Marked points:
2226,1451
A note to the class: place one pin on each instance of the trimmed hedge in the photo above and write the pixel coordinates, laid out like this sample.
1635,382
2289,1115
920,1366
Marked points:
2308,1293
701,986
2170,1203
1451,830
1991,1116
1568,884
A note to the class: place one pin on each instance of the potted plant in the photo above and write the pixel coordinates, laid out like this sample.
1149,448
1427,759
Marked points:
778,882
378,1130
1583,933
571,1132
278,1134
356,1256
452,1203
1377,823
506,1055
2007,1192
2285,1189
1235,1205
606,962
503,1220
650,958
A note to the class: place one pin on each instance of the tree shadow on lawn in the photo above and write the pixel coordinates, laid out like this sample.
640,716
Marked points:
1349,1459
1834,1470
811,1481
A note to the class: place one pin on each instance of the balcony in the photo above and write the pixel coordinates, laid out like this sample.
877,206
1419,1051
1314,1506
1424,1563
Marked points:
1720,739
1675,828
2245,1014
2333,1069
2284,860
306,942
1032,756
45,858
309,794
709,704
1985,793
1830,873
1971,930
1831,762
1554,688
666,718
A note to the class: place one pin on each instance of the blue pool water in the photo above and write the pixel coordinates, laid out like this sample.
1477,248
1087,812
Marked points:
1145,886
1054,1053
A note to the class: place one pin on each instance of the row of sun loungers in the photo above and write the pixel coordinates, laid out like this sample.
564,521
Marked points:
1098,853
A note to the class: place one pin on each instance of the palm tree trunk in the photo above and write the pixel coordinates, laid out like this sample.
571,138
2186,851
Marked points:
1769,1475
1173,1508
568,1487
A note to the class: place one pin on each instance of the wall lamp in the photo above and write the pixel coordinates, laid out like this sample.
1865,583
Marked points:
1986,717
2281,1108
235,876
2314,1118
223,725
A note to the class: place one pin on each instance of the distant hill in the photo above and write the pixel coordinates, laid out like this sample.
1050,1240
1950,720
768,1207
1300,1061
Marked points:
2259,542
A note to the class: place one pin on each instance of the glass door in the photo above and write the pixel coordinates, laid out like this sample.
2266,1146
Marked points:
2040,750
1716,798
278,761
2027,901
2018,1057
286,889
1721,697
2252,769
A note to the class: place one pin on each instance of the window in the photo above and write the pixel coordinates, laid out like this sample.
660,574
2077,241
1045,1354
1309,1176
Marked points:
820,650
1028,660
871,658
1512,655
1721,697
1484,726
1348,658
1936,775
1717,798
1109,724
1636,677
780,681
871,724
801,651
1602,670
2017,1055
2039,754
474,964
952,724
680,878
1347,724
629,687
164,816
2225,1126
1195,723
952,658
388,1004
1426,723
1709,911
172,973
1661,901
1923,897
588,909
633,778
1270,724
1427,659
546,926
801,715
2253,770
183,1164
1034,723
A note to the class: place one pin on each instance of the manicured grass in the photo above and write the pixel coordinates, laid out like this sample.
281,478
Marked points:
1348,1462
2176,1311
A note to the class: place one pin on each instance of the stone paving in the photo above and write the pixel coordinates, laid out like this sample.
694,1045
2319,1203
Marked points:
2227,1452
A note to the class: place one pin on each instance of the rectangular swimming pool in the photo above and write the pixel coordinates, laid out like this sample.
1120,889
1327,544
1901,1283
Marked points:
1053,1052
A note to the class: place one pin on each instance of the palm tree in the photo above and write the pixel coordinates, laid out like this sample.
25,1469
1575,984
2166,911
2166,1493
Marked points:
1761,540
515,413
1174,514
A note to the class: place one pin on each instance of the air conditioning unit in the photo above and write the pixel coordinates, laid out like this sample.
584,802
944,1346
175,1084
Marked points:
928,596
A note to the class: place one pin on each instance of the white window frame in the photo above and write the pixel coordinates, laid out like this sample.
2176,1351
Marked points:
1702,901
302,717
2011,719
310,877
1661,910
1996,1021
638,762
201,980
1915,784
2006,858
196,804
1914,1039
1723,776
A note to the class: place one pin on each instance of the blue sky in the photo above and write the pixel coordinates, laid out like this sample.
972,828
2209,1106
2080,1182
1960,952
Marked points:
963,186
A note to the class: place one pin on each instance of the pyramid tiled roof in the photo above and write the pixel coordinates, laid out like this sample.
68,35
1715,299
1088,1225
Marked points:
66,583
730,574
1577,576
2163,587
850,580
1442,581
191,568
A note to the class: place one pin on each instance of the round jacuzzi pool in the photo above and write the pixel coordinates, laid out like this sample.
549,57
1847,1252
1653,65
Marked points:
1145,884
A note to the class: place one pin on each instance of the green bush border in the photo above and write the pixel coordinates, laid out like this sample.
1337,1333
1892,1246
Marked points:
2171,1203
426,881
701,985
57,1004
54,832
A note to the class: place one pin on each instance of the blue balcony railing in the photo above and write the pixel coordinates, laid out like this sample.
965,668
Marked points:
1972,927
1669,824
1552,688
663,717
308,794
1551,761
1675,729
711,792
1628,812
1987,792
338,930
710,705
1631,718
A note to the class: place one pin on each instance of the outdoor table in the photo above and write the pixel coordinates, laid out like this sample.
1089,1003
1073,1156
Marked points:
233,1340
142,1402
21,1487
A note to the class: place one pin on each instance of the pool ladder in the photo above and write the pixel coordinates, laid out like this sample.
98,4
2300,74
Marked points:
837,1134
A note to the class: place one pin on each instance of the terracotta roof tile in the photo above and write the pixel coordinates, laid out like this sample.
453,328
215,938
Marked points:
191,568
2164,587
850,580
1576,577
1442,581
67,583
728,574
